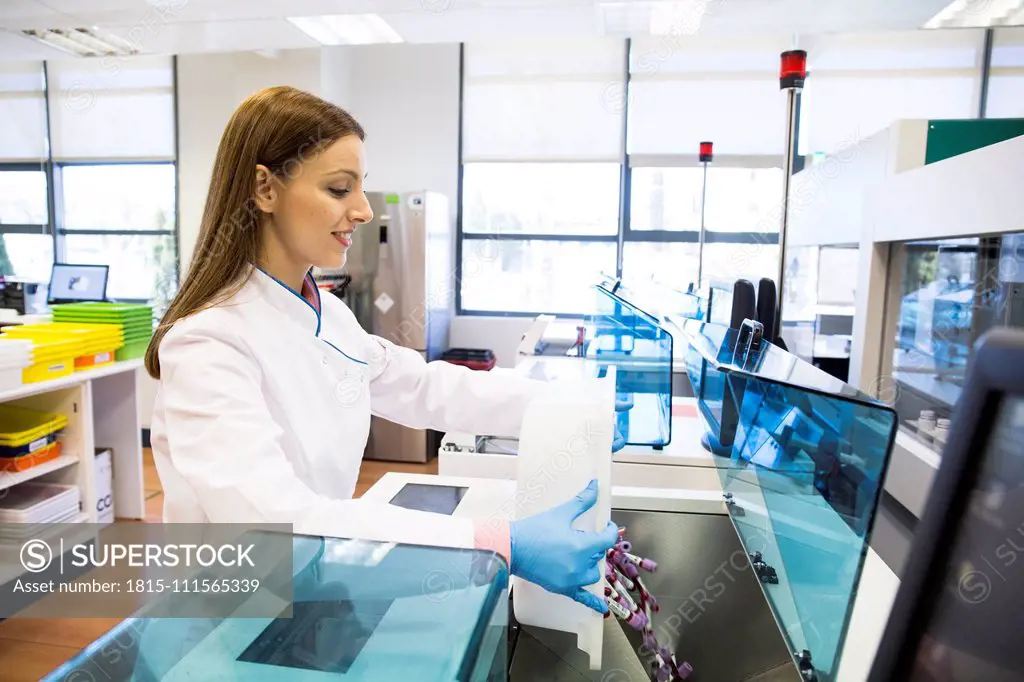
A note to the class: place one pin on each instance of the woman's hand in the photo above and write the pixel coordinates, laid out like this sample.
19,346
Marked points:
548,551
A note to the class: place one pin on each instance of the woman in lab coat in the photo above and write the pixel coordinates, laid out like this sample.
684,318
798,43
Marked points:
266,388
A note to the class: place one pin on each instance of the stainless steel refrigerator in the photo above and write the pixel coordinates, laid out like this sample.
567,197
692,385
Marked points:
399,282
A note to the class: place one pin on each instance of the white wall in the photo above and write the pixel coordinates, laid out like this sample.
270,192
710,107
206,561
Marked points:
827,198
210,88
407,99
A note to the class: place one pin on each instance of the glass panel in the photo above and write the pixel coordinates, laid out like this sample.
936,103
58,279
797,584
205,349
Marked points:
23,198
951,292
672,264
141,267
738,199
631,339
360,611
118,197
541,198
27,256
808,455
533,276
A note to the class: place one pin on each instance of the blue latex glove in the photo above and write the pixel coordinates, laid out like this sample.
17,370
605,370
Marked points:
619,441
549,552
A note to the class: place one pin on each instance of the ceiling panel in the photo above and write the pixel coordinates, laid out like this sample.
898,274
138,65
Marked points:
494,24
188,26
15,13
216,36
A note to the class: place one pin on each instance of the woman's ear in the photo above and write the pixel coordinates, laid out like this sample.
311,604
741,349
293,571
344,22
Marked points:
266,189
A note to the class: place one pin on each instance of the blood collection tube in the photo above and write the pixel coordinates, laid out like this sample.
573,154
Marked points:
624,594
635,620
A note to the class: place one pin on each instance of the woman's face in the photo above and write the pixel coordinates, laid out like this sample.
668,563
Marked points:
318,204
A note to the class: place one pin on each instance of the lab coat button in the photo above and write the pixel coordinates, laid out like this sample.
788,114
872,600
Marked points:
324,359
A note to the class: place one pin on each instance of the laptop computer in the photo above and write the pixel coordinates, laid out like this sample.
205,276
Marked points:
73,283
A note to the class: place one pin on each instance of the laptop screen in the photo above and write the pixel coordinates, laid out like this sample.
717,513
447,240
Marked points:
974,631
72,283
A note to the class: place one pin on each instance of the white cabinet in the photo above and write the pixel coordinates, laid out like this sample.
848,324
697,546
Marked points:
102,406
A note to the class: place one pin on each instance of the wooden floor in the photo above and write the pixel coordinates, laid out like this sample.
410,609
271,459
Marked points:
31,648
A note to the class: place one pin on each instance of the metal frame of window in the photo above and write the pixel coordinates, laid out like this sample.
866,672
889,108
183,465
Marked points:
54,188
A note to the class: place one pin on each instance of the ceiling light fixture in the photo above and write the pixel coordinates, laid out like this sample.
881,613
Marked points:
682,18
978,14
83,42
654,17
347,29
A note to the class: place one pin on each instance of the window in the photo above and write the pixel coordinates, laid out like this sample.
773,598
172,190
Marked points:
858,84
118,197
113,144
1006,87
26,241
23,198
683,92
672,264
741,218
542,149
112,108
23,112
142,267
532,275
578,159
122,215
26,256
541,198
738,199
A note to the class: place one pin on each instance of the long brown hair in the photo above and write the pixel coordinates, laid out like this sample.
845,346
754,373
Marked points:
280,128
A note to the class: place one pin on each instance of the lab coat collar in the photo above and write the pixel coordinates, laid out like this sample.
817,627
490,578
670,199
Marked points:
288,301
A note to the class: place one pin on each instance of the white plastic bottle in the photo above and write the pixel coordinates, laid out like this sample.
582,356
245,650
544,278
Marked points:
565,443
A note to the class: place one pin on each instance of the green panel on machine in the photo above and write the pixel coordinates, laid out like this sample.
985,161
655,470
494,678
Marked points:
948,138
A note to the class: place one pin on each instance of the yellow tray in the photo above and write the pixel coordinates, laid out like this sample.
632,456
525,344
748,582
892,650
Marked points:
55,368
20,425
100,336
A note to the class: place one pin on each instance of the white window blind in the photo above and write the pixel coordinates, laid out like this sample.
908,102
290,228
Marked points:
112,108
22,112
1006,77
543,101
859,84
690,89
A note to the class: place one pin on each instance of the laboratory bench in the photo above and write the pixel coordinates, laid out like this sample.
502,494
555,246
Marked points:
371,611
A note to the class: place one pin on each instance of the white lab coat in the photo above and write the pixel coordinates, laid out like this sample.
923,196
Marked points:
263,412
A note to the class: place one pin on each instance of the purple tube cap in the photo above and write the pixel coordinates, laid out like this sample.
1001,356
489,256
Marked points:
638,621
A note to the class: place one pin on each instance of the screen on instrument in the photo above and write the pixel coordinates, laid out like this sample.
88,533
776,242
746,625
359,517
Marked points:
974,631
323,636
439,499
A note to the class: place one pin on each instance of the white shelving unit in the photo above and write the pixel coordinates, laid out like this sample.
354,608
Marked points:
103,410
